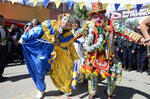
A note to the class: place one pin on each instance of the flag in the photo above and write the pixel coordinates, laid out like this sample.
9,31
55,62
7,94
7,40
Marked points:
57,3
117,6
128,6
34,2
12,1
149,8
24,2
46,3
81,4
105,5
138,7
69,4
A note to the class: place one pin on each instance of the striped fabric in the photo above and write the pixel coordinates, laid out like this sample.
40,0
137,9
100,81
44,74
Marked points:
74,81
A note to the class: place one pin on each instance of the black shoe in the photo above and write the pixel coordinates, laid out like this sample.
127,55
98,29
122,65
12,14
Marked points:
129,69
60,92
2,79
141,70
21,62
138,70
125,68
148,73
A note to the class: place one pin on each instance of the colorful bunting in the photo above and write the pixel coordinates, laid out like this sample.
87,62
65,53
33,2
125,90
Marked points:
69,4
128,6
138,7
81,4
46,3
149,8
24,2
57,3
117,6
105,5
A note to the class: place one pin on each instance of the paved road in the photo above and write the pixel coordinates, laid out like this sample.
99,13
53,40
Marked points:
20,86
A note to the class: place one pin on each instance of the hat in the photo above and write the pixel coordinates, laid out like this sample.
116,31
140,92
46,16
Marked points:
96,8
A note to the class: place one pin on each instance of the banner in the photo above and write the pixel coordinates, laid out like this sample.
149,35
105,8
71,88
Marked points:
130,14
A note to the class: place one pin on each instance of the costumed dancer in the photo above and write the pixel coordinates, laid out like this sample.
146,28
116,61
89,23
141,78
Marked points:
62,68
45,48
79,48
100,55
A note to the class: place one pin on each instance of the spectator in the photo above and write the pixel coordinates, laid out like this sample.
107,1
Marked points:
35,22
141,57
31,24
117,45
78,44
3,48
15,47
27,27
123,51
144,29
131,47
140,53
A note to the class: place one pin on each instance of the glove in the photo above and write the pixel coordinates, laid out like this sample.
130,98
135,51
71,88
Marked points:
21,41
60,29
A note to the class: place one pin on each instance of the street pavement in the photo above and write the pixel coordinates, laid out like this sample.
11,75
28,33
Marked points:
20,86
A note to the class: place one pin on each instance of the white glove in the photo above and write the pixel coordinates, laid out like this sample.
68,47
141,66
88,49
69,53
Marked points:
60,29
21,41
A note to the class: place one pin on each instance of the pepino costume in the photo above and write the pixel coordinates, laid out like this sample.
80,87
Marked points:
48,47
100,59
62,68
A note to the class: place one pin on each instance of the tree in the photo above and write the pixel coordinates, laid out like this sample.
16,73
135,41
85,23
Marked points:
81,13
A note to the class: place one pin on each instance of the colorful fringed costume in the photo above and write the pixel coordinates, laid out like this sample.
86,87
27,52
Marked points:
99,48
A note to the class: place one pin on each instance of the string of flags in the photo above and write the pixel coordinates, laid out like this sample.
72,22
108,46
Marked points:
81,4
